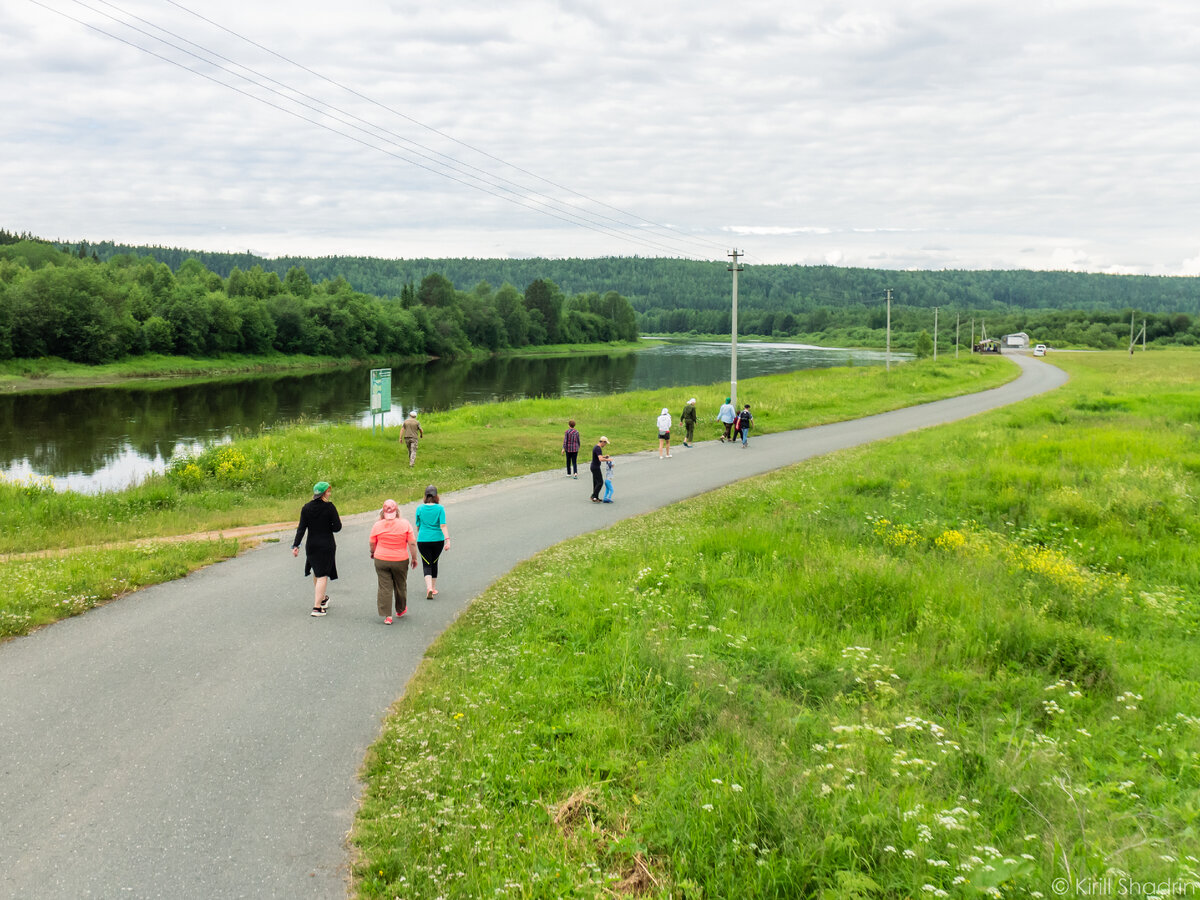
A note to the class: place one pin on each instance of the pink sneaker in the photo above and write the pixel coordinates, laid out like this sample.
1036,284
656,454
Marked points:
387,621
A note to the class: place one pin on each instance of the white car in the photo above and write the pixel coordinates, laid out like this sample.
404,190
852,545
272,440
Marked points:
1039,350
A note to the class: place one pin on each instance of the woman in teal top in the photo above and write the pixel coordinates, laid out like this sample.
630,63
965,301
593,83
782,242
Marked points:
433,536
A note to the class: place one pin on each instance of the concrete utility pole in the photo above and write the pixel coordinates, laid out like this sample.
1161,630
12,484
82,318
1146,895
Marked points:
889,329
935,309
734,267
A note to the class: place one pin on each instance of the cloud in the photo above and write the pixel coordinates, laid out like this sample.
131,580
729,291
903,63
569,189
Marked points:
938,133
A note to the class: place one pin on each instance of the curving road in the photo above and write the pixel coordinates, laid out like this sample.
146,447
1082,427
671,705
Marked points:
202,738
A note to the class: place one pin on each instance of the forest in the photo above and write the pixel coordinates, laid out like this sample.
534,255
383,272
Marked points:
84,309
306,304
820,304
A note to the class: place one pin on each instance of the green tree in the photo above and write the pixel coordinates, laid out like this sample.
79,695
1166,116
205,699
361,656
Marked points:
436,290
158,334
297,282
545,298
924,345
510,306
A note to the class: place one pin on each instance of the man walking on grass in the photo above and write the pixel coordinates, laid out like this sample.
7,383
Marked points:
410,433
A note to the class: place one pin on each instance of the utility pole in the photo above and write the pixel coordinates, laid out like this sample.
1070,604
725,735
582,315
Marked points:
734,267
957,328
889,329
935,309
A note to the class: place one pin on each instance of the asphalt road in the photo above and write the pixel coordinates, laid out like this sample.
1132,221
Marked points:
202,738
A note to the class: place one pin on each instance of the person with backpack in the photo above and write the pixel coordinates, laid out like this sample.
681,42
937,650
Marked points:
745,417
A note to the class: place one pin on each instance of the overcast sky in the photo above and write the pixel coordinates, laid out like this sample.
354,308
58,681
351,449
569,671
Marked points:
982,134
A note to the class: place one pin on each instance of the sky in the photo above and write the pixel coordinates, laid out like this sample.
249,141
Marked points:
882,133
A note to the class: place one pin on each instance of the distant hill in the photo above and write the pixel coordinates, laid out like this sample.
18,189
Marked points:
653,284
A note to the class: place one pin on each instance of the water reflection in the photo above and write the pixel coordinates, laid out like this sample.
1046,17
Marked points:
99,439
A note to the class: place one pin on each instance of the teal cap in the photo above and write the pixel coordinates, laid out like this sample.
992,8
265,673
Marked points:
320,487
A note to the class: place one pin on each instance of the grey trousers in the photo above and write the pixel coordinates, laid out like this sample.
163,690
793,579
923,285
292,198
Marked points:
393,583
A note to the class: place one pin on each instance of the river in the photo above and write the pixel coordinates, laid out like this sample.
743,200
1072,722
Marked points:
98,439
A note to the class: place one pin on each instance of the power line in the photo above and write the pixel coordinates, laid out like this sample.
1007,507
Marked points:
431,155
569,215
430,128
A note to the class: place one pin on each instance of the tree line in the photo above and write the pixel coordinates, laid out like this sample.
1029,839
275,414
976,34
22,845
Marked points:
821,304
654,285
82,308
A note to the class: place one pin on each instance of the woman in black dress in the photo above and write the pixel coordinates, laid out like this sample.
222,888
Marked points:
319,517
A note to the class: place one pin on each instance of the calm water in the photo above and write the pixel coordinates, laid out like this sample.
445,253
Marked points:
107,438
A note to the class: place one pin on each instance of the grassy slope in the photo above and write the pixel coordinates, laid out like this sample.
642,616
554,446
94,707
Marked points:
958,663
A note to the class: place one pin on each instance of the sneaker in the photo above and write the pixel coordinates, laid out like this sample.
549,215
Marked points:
387,620
668,456
325,603
317,611
403,612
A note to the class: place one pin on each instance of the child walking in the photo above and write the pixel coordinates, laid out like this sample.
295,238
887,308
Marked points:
608,480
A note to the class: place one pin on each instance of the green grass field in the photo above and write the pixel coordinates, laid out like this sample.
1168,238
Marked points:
958,663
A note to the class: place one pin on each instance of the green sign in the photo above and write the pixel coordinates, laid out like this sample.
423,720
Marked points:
381,390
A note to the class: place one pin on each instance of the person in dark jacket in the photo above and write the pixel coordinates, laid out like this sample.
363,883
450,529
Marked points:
689,422
598,457
319,517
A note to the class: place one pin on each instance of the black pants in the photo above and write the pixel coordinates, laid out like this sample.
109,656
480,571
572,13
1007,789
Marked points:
430,552
597,483
572,462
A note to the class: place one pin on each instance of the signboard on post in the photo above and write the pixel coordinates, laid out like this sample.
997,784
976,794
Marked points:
381,395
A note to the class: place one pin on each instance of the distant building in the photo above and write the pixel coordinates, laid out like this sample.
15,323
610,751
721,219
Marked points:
1020,340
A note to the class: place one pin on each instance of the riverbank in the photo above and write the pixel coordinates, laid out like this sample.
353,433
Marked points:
958,662
51,373
264,478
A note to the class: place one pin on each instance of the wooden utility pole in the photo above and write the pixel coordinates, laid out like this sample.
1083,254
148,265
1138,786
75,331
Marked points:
957,328
935,310
734,267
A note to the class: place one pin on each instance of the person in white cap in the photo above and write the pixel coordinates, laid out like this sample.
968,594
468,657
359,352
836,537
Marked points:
688,418
664,433
410,433
598,457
